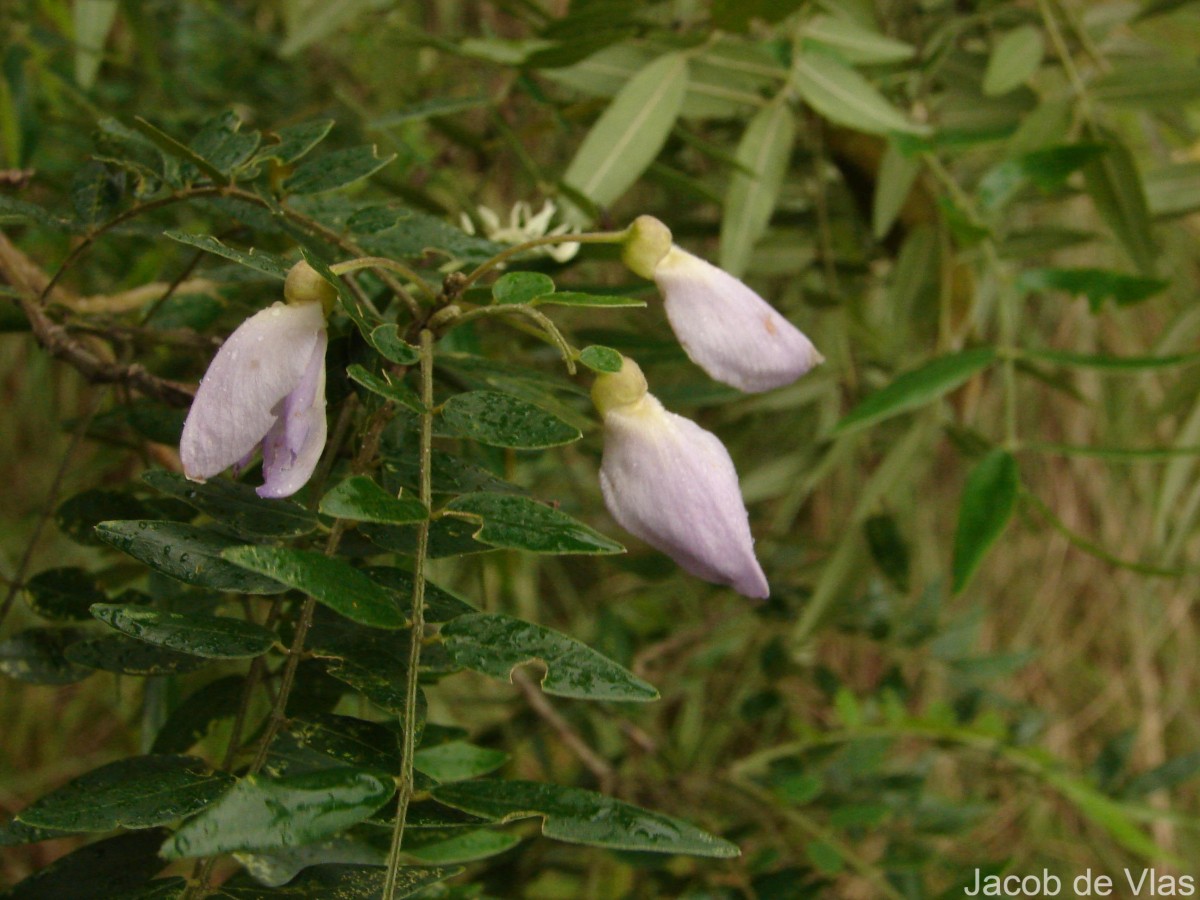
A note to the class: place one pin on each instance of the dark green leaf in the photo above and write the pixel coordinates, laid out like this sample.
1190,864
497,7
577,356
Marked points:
63,594
185,552
359,498
521,287
12,208
464,847
1168,775
386,339
213,637
450,475
319,741
601,359
502,420
575,298
222,142
402,232
260,813
326,882
520,523
888,549
118,653
987,504
37,656
111,869
1095,284
294,141
457,761
336,170
440,604
496,644
917,388
333,582
1048,169
79,516
95,192
236,508
1112,180
190,720
13,833
584,817
258,260
174,148
448,536
138,792
386,387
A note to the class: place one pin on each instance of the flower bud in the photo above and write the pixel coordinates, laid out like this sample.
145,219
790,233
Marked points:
647,241
671,483
305,284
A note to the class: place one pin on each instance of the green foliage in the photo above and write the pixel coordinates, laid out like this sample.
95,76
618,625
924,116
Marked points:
981,214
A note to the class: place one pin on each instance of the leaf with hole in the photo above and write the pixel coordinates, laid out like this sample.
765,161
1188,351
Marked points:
496,644
578,816
520,523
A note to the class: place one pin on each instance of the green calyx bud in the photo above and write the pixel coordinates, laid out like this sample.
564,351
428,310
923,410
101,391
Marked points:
306,285
647,241
616,389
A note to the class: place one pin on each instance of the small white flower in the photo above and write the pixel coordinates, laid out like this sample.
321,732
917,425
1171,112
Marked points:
524,225
265,386
726,329
671,483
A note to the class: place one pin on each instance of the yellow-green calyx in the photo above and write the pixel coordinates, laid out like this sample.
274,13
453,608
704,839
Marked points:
306,285
647,241
616,389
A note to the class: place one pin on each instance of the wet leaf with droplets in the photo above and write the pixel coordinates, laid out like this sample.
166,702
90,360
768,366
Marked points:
583,817
261,813
339,882
118,653
502,420
185,552
120,866
360,499
333,582
138,792
235,508
213,637
496,644
457,761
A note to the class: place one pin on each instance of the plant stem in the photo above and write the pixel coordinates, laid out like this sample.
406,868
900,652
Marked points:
597,237
568,352
408,722
382,262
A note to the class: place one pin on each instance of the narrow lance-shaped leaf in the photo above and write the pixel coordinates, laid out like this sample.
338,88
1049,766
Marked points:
628,135
502,420
497,644
583,817
987,504
1014,60
763,152
259,260
360,499
918,387
1115,186
842,95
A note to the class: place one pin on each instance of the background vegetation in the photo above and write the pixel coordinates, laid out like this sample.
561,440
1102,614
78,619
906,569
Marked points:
978,516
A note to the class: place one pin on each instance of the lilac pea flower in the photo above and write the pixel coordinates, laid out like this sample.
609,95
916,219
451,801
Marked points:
726,328
266,387
671,483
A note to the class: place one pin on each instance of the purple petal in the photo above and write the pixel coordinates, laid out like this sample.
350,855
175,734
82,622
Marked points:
727,329
671,483
261,363
293,446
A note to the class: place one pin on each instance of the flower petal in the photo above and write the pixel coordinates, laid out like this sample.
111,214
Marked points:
261,363
293,446
671,483
727,329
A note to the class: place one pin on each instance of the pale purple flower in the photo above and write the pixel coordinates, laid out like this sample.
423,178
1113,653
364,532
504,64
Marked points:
671,483
726,328
265,386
